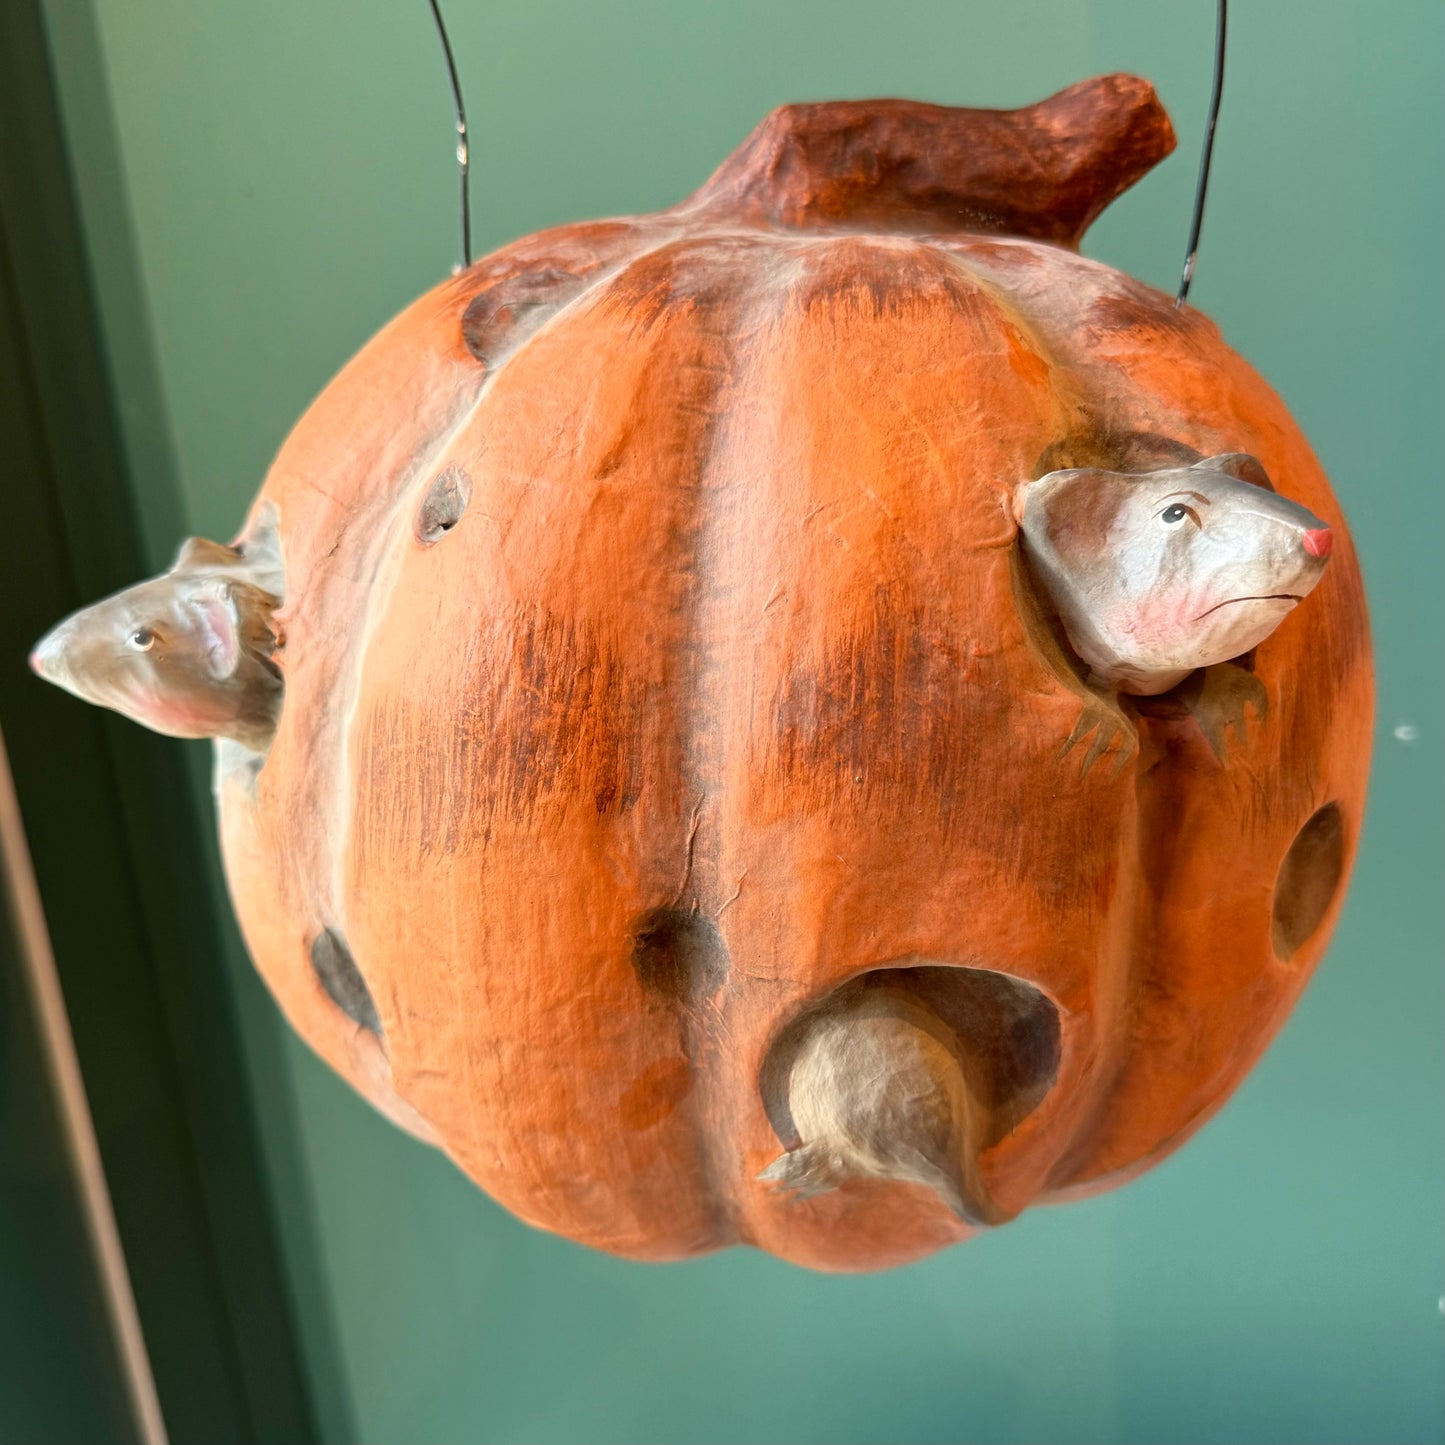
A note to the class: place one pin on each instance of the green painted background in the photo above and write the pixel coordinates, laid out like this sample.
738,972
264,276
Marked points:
264,183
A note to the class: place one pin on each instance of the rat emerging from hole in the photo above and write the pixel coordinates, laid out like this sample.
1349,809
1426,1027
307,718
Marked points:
187,653
1155,575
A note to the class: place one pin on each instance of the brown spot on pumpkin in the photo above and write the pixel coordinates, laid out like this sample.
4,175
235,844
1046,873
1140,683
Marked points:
997,254
885,703
886,718
708,273
539,709
1135,307
513,292
655,1094
882,714
885,278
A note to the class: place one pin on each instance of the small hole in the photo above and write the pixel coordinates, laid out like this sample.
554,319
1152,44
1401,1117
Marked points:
1308,880
337,973
442,507
678,953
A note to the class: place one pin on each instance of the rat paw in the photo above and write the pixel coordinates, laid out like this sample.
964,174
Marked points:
1219,699
805,1171
1104,724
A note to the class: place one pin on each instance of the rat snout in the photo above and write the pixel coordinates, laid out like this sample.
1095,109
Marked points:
1319,541
47,655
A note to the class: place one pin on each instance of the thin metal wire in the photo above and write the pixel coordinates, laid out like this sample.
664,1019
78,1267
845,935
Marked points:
463,149
1202,185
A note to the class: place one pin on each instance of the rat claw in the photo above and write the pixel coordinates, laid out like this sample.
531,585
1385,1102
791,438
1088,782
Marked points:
1221,701
1086,723
1107,726
1102,738
1126,751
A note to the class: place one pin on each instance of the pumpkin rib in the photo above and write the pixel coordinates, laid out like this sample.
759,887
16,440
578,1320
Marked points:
378,595
602,310
803,578
703,677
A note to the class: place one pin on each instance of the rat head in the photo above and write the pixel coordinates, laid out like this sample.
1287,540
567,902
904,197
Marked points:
1154,574
186,653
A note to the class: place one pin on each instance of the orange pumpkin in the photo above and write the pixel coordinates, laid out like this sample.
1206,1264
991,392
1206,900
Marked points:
660,677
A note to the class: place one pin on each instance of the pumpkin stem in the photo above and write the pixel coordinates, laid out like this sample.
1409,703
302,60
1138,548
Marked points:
1044,171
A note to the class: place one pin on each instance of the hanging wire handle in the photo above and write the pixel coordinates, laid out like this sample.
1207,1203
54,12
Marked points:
1202,185
463,151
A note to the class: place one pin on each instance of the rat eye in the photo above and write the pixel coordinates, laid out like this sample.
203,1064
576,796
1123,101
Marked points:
141,640
1173,515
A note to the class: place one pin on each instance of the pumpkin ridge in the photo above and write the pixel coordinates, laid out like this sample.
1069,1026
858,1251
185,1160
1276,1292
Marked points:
727,316
960,253
385,549
383,557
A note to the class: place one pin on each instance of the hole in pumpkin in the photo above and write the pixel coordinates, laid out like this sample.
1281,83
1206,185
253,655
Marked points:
1308,880
337,973
678,953
442,507
1005,1033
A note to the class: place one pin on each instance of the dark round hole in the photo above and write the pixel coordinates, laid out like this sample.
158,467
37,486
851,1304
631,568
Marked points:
1009,1032
442,507
1308,880
337,973
678,953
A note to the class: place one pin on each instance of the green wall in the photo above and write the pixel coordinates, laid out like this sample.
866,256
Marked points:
265,183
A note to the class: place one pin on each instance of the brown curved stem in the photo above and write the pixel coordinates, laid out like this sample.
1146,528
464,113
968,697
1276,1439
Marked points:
1044,171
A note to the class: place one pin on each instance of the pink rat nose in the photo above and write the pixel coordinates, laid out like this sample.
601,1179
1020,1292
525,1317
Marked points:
46,656
1319,541
42,655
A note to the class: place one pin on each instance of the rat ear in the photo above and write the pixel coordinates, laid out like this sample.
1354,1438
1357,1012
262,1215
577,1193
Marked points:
197,553
216,609
1241,465
263,535
1072,511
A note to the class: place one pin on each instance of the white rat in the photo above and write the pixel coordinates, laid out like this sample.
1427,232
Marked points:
1157,573
1154,575
187,653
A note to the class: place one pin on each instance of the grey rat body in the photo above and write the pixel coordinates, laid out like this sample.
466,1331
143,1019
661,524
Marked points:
1155,574
187,653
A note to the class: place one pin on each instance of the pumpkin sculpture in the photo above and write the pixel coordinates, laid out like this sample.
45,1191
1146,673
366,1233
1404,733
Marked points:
687,808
